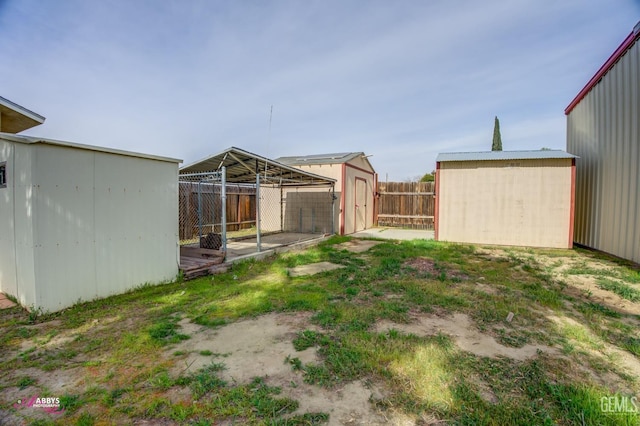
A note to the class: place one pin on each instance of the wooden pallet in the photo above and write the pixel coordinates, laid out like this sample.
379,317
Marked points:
196,262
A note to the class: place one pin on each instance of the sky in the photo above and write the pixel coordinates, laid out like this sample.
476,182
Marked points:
400,80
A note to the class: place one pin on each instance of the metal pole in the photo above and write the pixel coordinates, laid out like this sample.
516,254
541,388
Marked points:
258,210
333,209
199,213
224,208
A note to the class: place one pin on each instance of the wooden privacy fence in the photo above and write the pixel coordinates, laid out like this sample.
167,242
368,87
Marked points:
406,204
241,208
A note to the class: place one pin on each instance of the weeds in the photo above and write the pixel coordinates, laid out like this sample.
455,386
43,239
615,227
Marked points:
119,342
621,289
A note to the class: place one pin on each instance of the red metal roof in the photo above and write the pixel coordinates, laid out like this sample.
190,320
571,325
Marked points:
626,44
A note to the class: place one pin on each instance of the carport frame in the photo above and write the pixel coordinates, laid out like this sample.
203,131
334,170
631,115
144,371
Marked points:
244,167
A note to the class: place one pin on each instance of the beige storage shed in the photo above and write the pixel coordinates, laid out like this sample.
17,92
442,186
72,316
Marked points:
519,198
81,222
603,129
356,186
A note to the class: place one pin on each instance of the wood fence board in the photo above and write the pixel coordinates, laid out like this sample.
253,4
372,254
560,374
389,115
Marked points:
406,204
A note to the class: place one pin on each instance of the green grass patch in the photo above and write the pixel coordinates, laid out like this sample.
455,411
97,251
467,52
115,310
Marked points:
621,289
120,342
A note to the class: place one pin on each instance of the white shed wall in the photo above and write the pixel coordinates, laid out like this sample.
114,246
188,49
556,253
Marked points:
519,202
104,223
17,275
8,279
24,212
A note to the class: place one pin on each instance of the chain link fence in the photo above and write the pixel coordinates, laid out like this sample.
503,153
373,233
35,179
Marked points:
213,212
200,210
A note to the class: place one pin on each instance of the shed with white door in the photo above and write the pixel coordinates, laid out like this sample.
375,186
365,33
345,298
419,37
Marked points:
82,222
356,186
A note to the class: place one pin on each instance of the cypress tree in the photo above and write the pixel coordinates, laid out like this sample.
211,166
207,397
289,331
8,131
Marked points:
497,139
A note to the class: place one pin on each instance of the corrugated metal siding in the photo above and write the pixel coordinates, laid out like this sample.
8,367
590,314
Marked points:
8,280
23,221
603,131
103,224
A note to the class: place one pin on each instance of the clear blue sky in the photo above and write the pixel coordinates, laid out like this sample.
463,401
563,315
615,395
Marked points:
400,80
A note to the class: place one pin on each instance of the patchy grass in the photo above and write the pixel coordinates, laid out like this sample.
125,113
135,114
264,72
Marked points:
120,349
620,288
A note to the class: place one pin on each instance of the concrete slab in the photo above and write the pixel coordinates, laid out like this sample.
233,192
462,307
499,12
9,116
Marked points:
248,246
358,246
395,234
5,303
313,268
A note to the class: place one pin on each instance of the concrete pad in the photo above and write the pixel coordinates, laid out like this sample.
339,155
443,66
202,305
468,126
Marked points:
358,246
5,303
244,247
395,234
313,268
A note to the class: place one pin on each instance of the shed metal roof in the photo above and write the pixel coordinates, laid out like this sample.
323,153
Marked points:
243,166
503,155
606,67
36,140
335,158
16,118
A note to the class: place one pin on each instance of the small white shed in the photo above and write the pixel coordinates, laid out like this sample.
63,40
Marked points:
519,198
356,185
81,222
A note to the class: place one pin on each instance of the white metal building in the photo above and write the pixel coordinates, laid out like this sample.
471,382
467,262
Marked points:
603,128
81,222
520,198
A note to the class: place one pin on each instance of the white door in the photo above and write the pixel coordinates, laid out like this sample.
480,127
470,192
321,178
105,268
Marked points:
361,204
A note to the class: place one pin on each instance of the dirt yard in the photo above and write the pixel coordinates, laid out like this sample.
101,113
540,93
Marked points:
356,333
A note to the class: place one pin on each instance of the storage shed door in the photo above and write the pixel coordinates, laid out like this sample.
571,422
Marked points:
361,204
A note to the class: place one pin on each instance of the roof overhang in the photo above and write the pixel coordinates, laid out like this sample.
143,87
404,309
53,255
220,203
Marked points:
15,118
319,159
325,159
243,166
31,140
613,59
503,155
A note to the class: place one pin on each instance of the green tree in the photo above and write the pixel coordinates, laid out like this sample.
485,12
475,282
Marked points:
428,177
497,139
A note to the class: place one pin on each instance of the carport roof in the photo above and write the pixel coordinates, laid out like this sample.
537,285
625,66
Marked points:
335,158
243,166
503,155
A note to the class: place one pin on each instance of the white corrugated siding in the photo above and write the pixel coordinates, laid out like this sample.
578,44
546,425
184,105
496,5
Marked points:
603,131
103,224
8,280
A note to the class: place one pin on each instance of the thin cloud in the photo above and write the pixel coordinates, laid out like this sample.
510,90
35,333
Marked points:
402,81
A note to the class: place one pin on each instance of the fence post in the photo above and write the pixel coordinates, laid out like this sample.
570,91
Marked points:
224,208
199,212
333,208
258,211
